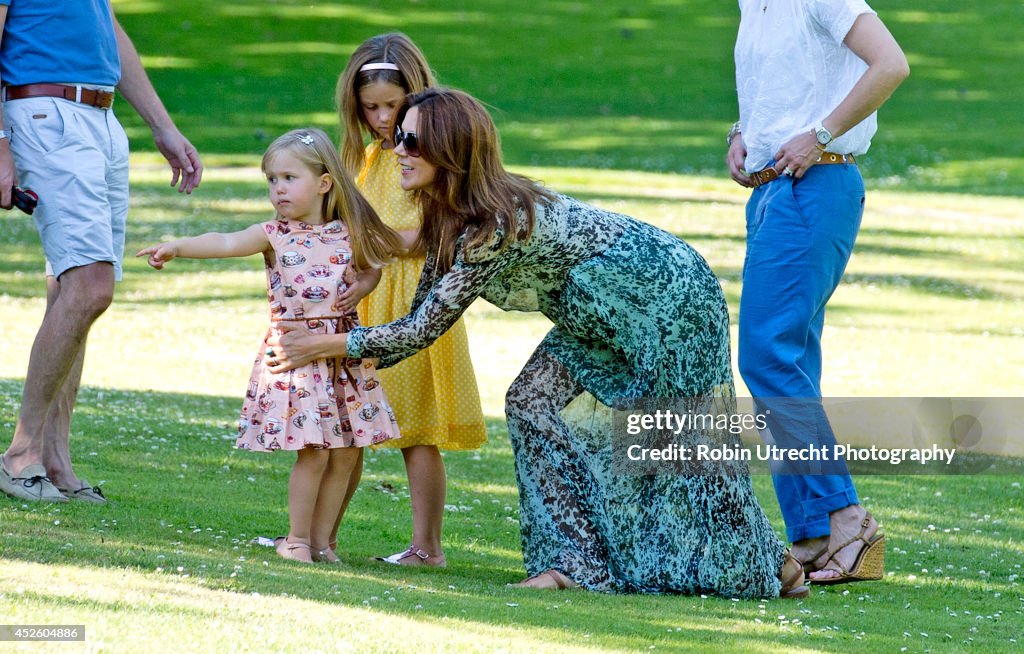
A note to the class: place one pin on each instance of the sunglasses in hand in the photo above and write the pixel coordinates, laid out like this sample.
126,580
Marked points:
24,199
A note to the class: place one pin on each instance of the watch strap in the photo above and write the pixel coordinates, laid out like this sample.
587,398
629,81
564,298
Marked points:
734,131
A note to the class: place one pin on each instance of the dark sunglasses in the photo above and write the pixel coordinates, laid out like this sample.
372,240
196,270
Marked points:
409,140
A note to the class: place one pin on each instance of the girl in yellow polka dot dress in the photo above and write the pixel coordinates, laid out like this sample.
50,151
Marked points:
434,392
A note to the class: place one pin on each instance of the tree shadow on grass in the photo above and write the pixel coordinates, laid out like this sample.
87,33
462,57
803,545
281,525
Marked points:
184,503
182,499
920,284
614,85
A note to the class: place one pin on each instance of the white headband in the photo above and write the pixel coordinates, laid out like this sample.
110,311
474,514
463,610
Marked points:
381,66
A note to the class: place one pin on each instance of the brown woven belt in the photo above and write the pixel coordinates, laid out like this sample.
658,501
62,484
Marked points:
310,318
769,174
93,98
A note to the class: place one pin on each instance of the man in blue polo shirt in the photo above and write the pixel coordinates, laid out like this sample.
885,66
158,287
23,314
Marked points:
60,63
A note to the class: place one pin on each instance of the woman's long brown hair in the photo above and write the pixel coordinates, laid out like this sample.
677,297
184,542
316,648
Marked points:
472,192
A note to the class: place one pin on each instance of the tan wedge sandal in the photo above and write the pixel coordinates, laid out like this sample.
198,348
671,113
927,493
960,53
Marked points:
792,577
869,564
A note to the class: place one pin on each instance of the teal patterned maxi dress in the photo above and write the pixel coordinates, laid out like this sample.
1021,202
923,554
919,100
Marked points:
637,313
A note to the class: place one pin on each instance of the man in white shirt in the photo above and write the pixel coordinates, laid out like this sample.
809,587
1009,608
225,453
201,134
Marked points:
810,75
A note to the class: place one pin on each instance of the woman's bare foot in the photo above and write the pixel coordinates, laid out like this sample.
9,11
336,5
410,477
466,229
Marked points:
550,579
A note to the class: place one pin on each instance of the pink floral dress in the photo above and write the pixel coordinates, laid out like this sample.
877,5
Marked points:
328,402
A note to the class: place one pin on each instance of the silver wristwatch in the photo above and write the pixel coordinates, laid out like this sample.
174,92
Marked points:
822,134
733,132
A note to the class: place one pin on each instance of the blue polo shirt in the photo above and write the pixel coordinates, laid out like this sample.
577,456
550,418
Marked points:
59,41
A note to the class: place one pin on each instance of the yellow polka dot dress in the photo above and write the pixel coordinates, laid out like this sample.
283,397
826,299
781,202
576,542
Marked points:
433,393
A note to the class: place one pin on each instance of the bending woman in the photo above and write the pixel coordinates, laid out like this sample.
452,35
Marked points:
637,313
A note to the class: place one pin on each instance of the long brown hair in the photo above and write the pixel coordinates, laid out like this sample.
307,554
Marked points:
413,75
374,244
472,192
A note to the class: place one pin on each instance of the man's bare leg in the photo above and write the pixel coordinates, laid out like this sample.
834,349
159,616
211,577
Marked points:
81,296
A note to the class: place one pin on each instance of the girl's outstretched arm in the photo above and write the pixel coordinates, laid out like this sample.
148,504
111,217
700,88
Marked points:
211,245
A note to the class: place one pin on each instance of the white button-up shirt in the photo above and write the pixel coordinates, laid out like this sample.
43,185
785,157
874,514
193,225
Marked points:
792,70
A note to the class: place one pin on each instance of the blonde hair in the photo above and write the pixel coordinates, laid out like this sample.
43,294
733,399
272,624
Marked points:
472,192
413,75
374,244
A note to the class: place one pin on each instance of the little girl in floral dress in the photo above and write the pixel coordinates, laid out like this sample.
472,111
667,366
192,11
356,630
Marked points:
327,409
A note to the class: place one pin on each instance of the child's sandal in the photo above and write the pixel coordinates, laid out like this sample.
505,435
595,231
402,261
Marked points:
791,574
415,556
325,555
300,552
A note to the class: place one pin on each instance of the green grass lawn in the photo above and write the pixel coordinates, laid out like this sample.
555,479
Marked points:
621,104
932,306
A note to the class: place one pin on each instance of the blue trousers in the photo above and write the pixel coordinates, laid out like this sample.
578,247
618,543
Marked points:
800,234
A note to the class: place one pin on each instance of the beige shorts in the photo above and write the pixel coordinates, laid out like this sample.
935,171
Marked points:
75,158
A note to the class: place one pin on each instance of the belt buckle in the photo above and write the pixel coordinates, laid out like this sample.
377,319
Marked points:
763,176
100,100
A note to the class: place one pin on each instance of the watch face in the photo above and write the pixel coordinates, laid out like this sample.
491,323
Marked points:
824,136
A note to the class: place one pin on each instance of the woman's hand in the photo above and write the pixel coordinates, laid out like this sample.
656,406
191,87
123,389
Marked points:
292,345
735,159
797,155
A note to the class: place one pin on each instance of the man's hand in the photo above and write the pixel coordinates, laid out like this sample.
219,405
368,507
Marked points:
182,156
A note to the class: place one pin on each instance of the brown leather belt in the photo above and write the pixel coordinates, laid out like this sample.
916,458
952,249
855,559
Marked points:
769,174
101,99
